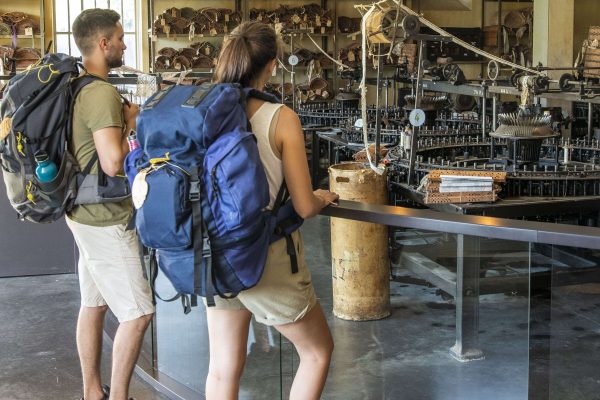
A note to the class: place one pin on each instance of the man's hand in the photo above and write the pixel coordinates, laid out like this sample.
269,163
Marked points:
130,113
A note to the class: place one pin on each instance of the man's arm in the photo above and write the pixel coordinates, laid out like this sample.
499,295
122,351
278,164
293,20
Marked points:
111,143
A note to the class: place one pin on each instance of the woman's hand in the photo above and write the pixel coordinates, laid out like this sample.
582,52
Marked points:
326,197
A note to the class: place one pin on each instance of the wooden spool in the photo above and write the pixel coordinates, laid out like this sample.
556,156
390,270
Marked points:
359,250
380,26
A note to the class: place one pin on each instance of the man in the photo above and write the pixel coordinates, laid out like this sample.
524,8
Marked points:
110,272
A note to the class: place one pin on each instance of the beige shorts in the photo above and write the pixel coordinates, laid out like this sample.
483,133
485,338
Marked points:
280,297
110,271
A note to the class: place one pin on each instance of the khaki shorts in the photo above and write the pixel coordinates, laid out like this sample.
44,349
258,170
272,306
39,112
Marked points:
110,271
280,297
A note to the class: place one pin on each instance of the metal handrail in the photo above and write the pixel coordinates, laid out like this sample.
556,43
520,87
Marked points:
489,227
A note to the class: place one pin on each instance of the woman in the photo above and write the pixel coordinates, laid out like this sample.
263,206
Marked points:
281,299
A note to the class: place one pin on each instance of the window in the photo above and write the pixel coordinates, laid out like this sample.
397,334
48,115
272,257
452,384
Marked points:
65,12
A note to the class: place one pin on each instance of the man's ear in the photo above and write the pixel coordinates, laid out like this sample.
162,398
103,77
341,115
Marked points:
103,43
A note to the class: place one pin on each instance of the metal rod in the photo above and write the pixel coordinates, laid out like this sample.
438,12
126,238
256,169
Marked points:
494,112
413,139
493,228
419,74
483,112
499,33
377,110
293,77
590,115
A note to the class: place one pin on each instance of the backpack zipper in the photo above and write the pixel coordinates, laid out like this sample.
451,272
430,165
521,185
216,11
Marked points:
213,179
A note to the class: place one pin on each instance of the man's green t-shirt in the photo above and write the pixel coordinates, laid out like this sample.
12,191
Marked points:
97,106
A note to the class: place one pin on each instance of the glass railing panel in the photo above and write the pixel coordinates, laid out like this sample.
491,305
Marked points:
263,371
471,318
183,349
181,340
422,350
565,323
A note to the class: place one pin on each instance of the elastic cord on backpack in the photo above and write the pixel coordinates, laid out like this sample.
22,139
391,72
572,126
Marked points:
187,301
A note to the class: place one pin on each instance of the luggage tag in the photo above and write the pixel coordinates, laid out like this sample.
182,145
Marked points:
139,189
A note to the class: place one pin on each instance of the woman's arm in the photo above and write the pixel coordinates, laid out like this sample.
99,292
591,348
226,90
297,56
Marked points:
289,139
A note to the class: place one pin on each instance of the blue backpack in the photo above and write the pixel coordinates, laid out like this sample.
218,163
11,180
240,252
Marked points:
201,191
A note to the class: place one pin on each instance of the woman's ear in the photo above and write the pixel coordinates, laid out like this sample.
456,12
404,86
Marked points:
273,67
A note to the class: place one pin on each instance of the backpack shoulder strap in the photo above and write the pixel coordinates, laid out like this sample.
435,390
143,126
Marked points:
80,82
77,84
280,228
259,94
282,196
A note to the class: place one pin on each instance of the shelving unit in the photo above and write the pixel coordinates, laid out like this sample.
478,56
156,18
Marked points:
174,40
500,21
295,40
35,8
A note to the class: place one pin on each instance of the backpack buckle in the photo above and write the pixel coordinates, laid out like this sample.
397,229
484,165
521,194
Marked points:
194,190
206,247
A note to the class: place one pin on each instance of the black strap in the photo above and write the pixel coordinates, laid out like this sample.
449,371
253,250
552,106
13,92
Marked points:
187,301
131,223
197,227
282,196
142,258
102,177
153,275
291,250
259,94
90,164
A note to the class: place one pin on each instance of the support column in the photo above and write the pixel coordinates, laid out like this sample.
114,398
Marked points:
540,332
553,22
467,299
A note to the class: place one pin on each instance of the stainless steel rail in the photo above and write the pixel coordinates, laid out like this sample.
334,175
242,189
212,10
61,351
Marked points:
489,227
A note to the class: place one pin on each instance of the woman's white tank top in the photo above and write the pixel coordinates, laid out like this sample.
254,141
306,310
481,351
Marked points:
263,124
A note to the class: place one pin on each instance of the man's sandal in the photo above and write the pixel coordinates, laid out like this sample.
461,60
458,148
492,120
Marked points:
105,392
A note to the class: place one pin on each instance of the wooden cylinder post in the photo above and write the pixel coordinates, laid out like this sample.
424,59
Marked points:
359,250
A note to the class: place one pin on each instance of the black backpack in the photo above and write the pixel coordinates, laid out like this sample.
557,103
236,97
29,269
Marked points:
36,119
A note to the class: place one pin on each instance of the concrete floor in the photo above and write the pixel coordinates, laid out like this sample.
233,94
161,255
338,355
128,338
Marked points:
403,357
38,353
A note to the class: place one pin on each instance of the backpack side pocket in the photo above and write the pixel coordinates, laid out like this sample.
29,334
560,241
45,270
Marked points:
235,182
164,221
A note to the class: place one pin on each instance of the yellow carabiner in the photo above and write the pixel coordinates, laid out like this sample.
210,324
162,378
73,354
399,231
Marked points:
20,144
160,159
29,194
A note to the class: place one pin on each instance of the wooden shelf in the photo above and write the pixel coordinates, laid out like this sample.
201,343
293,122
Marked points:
202,70
36,36
185,36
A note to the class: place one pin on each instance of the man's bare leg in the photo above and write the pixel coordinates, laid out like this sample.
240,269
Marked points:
126,349
89,346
